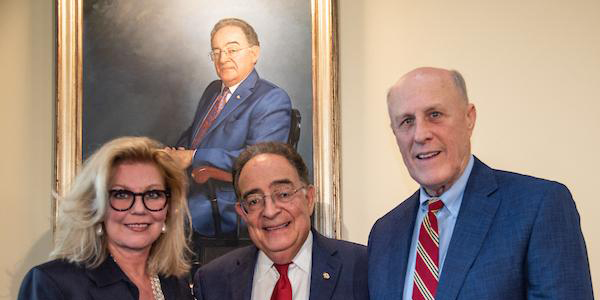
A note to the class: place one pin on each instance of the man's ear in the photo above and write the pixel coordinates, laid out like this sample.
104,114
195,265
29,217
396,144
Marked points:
240,211
310,198
471,116
255,50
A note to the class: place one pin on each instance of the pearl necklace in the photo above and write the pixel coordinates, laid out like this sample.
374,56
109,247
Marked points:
156,290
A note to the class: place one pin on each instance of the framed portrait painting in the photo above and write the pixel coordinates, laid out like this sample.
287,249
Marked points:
139,68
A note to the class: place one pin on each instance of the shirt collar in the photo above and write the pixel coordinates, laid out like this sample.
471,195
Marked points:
232,88
108,272
451,197
302,259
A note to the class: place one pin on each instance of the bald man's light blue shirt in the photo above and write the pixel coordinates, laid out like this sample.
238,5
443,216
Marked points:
446,217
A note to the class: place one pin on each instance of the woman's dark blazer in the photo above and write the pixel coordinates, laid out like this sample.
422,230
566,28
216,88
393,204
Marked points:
59,279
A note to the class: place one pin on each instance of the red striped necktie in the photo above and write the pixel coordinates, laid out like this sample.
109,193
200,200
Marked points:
210,118
427,265
283,287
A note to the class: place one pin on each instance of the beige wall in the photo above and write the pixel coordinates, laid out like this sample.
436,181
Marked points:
532,70
26,94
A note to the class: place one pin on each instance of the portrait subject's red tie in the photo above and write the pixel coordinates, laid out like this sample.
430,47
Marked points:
210,118
283,287
427,265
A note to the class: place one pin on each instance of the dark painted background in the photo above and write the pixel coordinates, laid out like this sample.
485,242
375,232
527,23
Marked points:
146,63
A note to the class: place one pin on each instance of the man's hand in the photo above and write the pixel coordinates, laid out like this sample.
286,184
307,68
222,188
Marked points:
181,156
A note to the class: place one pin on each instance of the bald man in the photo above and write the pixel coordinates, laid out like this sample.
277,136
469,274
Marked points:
470,231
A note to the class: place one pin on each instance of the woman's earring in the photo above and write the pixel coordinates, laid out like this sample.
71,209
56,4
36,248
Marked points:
99,230
164,228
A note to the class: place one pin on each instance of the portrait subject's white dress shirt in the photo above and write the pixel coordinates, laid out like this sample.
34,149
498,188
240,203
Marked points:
265,274
231,90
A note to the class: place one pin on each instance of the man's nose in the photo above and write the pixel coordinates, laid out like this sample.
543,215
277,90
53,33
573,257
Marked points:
422,131
223,57
271,208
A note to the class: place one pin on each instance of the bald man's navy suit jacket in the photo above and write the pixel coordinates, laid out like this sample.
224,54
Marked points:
516,237
230,276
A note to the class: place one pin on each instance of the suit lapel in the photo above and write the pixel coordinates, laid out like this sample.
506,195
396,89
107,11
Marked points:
113,292
170,287
110,281
241,276
475,217
243,91
325,269
400,244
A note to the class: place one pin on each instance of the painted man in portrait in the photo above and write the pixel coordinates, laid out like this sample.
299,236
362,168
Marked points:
237,110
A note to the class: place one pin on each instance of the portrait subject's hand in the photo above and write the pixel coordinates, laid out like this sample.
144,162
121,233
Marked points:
181,156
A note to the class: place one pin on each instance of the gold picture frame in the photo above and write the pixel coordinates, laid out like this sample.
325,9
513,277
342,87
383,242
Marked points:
326,152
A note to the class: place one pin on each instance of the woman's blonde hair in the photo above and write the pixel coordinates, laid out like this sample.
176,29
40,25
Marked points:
81,212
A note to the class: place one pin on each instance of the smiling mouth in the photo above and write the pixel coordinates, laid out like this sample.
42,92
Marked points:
428,155
272,228
137,226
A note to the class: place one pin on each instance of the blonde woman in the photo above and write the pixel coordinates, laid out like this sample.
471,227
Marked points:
120,230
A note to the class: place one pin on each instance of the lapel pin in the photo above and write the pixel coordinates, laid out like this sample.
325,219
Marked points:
326,276
237,97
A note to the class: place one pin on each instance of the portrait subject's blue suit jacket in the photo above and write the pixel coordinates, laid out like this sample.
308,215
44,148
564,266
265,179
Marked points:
230,276
257,111
516,237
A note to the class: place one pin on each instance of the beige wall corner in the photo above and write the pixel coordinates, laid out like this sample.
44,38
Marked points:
26,155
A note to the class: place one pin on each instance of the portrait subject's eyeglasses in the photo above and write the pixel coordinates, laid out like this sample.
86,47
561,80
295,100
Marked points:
153,200
230,52
254,203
